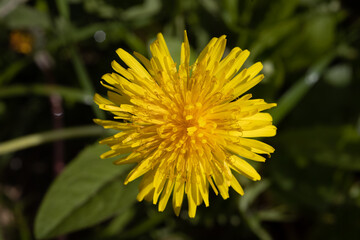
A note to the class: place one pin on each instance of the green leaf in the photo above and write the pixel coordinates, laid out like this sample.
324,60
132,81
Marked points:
25,16
255,225
87,192
231,14
84,79
146,10
252,192
271,36
320,32
63,8
118,223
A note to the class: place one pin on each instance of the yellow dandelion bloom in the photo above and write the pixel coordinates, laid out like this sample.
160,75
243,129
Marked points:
186,128
21,41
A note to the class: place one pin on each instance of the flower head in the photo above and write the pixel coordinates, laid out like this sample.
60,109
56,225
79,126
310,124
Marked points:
21,41
187,128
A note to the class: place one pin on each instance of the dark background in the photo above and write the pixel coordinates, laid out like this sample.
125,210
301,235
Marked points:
53,54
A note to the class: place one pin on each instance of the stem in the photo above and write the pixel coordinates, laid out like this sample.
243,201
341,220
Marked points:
49,136
46,64
84,79
23,224
71,94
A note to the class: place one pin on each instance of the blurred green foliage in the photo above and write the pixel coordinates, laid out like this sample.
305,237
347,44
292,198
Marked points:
53,55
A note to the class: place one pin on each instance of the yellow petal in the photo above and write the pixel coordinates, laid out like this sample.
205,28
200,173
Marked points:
243,167
259,116
239,61
145,62
139,170
236,186
117,98
255,144
268,131
133,63
114,124
244,152
242,88
178,195
254,69
185,51
98,99
203,187
192,201
162,44
166,195
118,68
220,182
134,157
146,186
229,58
159,183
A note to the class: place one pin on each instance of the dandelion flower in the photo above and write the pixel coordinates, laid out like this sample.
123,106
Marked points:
21,41
187,128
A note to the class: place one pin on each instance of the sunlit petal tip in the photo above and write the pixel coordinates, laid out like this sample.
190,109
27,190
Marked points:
107,154
245,53
95,120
